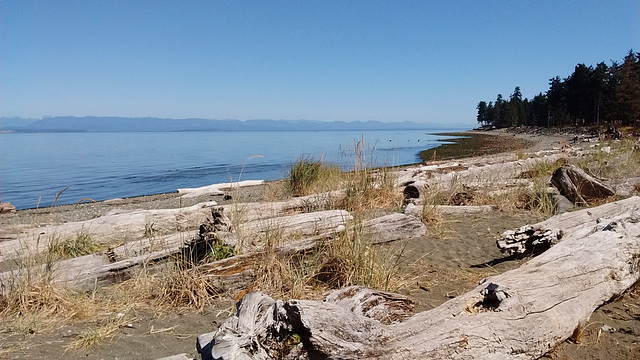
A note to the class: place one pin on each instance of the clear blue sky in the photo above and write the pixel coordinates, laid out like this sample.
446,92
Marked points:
423,61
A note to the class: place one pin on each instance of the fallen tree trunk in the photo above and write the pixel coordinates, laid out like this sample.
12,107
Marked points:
578,186
90,271
226,273
520,314
144,224
216,189
136,224
539,237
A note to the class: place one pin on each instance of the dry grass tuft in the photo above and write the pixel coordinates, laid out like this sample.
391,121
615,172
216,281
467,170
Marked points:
619,162
103,330
352,260
307,176
186,288
273,274
33,304
177,285
529,190
82,244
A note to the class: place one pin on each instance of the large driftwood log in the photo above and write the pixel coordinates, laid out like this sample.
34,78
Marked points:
117,264
132,225
520,314
379,305
578,186
300,225
533,239
135,225
235,273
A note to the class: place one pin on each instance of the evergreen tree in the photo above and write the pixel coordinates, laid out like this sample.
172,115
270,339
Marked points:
600,79
626,92
482,112
589,96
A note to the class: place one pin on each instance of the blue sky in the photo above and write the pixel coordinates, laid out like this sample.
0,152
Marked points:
423,61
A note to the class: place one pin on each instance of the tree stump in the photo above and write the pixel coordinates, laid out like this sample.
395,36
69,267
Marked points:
578,186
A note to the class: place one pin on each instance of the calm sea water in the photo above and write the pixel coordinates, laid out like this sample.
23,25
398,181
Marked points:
100,166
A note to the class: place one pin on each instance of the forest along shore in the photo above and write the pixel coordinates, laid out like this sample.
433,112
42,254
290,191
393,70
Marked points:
442,243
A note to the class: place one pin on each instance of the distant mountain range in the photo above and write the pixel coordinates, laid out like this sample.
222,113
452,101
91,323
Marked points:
123,124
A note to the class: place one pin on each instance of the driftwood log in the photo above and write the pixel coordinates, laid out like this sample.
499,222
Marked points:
234,273
578,186
414,189
533,239
7,208
216,189
110,228
520,314
136,225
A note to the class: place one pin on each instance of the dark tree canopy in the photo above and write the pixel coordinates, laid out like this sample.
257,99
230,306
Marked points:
589,96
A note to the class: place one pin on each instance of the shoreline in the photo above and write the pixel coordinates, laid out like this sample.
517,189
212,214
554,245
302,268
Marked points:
482,144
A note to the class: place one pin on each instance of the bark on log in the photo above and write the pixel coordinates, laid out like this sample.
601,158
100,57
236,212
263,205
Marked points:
578,186
520,314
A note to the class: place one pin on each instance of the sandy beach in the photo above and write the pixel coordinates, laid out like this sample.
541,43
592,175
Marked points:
449,260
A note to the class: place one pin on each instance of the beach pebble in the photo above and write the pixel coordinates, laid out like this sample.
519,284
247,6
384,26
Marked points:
608,328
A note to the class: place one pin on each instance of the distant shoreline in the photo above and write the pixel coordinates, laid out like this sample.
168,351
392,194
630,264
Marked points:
148,124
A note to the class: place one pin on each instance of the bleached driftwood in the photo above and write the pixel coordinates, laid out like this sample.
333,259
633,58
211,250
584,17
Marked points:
6,208
300,225
243,212
379,305
414,189
118,263
216,189
578,186
538,237
520,314
132,225
384,229
527,240
416,210
135,225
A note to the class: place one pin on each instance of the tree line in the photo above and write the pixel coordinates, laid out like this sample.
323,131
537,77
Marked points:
590,96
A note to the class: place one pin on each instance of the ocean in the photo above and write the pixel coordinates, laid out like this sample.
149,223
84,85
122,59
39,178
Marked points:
34,167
